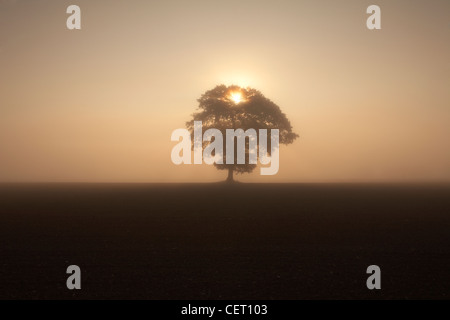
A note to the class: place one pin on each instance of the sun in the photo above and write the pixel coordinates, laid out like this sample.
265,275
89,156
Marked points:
236,97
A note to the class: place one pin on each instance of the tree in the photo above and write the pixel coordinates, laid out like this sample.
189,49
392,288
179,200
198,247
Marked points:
233,107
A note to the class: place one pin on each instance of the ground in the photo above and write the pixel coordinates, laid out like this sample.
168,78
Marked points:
215,241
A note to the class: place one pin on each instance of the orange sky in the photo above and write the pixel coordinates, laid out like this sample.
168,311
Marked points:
100,104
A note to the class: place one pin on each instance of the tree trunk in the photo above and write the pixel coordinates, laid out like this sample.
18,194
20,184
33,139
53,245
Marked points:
230,175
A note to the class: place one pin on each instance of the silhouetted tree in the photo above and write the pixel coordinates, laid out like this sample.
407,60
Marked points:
233,107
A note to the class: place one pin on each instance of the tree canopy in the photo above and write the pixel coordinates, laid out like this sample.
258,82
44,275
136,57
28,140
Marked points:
233,107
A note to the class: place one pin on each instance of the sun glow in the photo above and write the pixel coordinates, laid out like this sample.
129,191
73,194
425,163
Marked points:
236,97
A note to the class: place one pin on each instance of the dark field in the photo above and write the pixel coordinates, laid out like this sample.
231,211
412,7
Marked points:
213,241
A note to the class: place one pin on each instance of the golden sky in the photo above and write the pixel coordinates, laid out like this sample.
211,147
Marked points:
99,104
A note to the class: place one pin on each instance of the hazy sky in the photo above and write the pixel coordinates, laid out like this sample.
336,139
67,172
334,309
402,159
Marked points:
99,104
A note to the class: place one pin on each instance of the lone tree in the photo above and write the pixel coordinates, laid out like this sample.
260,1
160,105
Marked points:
233,107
